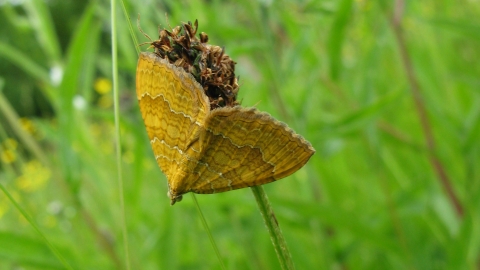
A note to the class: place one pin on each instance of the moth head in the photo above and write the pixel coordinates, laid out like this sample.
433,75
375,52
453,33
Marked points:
174,198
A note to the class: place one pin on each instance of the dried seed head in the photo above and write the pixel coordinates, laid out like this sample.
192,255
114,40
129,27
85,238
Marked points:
209,64
203,37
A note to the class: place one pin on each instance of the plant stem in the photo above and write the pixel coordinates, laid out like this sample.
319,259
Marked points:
278,241
14,120
36,228
437,165
205,225
118,149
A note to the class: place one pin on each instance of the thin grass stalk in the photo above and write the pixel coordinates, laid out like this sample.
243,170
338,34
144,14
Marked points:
207,229
35,227
117,132
276,235
130,27
27,140
437,166
8,167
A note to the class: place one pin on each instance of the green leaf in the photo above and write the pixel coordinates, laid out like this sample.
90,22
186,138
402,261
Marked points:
26,251
336,37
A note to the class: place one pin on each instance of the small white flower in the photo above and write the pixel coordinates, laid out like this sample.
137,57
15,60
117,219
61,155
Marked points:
56,75
79,102
55,207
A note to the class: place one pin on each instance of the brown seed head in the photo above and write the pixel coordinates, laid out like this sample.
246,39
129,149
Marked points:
209,64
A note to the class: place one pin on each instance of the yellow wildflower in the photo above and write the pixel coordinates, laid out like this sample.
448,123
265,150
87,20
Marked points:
28,126
8,156
102,86
7,151
34,176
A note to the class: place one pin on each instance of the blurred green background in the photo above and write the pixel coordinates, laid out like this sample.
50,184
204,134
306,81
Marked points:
388,93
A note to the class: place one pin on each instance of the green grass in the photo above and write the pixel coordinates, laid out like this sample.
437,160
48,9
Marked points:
370,198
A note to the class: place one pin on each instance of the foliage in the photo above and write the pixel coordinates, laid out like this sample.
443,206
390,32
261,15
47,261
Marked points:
372,197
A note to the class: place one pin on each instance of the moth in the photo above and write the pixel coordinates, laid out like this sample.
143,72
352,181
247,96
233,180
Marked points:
210,151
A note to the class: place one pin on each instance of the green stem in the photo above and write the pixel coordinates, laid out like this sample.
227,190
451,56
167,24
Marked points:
35,227
278,241
130,28
205,225
27,140
117,132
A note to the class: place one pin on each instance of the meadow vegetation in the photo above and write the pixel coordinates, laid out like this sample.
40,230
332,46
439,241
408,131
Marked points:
387,92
